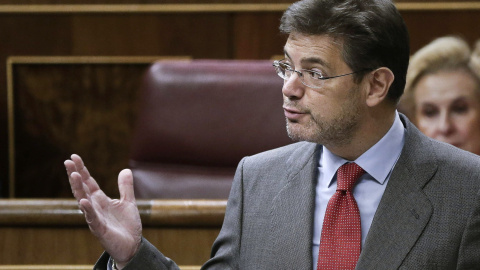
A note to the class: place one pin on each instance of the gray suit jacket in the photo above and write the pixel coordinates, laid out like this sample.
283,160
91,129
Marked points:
428,218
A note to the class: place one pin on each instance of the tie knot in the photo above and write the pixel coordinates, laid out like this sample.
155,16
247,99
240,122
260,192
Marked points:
347,175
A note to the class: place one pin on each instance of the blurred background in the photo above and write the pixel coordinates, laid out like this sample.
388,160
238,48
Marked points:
71,70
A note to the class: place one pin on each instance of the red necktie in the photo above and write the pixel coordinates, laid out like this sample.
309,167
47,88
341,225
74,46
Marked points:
341,239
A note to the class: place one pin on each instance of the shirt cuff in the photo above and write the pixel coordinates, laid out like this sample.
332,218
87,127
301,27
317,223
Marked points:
110,264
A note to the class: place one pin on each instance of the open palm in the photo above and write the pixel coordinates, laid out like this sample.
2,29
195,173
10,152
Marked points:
116,223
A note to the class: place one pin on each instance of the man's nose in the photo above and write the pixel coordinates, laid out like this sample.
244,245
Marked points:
293,88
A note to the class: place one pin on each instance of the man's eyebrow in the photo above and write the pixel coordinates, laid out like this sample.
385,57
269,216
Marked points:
314,60
309,60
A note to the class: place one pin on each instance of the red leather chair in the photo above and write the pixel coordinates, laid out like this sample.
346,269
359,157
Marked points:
197,119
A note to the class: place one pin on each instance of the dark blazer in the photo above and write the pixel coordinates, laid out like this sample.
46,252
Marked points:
428,218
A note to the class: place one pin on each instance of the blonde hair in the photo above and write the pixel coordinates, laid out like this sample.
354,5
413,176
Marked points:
444,53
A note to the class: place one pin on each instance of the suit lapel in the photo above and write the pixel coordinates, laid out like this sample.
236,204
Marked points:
292,212
404,210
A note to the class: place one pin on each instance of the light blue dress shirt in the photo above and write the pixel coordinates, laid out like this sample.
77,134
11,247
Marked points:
378,162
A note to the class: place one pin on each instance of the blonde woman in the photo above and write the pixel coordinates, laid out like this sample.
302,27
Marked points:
442,94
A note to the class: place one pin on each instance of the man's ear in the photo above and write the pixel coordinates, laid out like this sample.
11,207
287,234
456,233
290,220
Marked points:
379,82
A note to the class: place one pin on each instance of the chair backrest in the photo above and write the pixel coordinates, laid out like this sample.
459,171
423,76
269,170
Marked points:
197,119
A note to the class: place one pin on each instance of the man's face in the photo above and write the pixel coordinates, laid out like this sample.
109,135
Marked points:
329,115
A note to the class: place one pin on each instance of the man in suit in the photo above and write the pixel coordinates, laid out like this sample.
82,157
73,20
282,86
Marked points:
417,199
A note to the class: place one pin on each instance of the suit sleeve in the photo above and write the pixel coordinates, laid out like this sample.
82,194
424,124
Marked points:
226,248
469,253
147,258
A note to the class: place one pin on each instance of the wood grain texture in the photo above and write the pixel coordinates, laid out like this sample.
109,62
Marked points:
226,34
42,232
61,109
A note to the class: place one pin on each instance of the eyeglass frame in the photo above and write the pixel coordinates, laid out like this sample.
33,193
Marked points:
321,78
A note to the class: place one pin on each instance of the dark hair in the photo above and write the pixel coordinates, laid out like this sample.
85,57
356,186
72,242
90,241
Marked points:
373,33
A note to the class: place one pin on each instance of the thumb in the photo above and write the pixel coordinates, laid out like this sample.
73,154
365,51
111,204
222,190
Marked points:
125,185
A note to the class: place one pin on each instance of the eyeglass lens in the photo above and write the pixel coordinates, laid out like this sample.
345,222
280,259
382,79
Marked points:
306,77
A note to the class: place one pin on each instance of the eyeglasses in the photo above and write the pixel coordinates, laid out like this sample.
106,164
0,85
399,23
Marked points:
310,78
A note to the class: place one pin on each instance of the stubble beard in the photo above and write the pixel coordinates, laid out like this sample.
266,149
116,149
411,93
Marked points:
337,131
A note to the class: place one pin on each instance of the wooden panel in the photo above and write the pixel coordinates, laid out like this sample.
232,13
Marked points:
76,245
149,34
256,36
28,35
48,246
426,26
182,6
104,35
231,29
36,232
60,106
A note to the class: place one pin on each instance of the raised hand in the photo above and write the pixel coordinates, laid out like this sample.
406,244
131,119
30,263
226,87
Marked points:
116,223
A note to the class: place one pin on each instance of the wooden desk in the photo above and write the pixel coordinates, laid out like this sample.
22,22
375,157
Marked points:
47,232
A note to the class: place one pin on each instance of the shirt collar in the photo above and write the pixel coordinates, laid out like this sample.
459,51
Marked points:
378,161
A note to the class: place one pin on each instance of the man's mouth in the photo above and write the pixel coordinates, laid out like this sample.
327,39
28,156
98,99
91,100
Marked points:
293,113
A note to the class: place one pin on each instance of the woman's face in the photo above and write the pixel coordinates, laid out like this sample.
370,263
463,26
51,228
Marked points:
448,108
